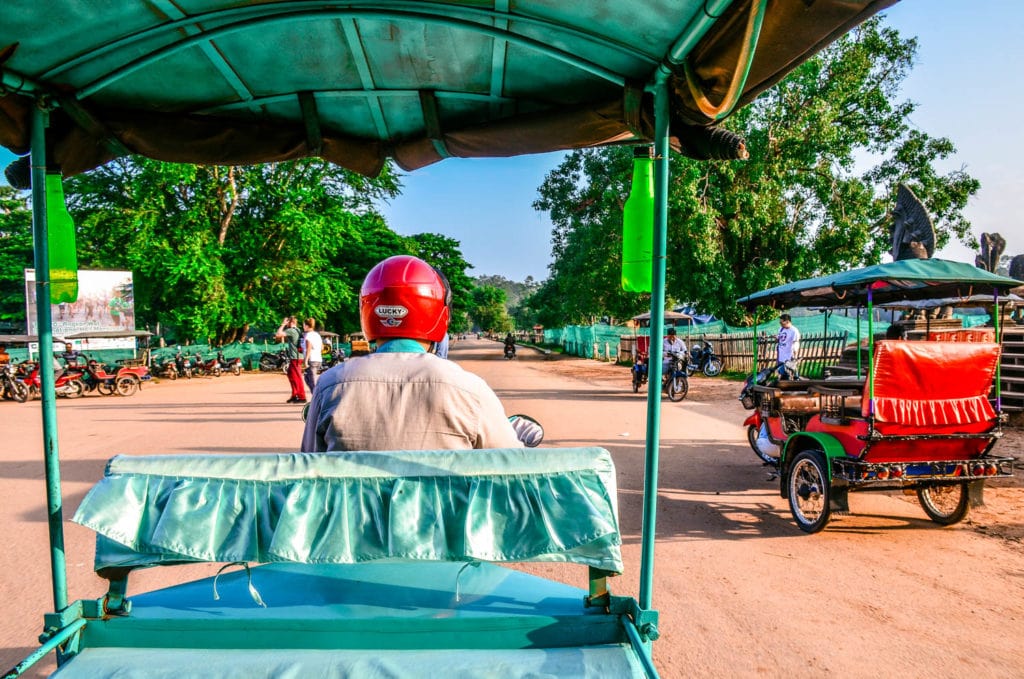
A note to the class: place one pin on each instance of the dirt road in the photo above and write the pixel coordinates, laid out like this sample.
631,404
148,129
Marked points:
741,591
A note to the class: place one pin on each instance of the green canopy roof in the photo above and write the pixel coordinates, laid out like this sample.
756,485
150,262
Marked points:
907,279
357,82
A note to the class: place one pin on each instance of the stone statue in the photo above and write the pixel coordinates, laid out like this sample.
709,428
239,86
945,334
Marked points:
992,246
913,236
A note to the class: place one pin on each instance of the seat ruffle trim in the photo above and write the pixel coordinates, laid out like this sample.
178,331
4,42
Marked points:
568,516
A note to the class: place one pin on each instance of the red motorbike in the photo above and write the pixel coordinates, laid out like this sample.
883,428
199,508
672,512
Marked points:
68,384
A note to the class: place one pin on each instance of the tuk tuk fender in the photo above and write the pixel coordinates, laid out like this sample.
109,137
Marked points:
802,441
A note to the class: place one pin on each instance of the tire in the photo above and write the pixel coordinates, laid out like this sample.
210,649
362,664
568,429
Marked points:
216,372
945,505
236,369
105,388
74,389
809,491
713,367
678,386
126,386
173,374
752,435
16,391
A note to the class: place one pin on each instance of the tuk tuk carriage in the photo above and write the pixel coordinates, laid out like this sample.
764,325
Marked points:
922,417
394,585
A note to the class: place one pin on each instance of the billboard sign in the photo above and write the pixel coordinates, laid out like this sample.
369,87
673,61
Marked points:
106,302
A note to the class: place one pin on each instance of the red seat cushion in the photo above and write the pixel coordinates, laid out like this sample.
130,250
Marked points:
932,384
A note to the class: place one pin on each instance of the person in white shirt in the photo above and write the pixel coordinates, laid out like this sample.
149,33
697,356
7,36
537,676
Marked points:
313,358
789,348
671,345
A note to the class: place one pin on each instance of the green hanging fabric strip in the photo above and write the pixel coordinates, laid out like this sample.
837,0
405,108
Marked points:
61,243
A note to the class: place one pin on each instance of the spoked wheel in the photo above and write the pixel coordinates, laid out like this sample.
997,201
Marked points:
105,387
713,367
17,391
677,388
809,490
945,505
126,386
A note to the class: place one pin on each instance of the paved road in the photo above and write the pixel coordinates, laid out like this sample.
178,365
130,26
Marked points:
740,590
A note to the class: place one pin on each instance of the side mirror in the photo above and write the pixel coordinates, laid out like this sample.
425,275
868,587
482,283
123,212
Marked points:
527,429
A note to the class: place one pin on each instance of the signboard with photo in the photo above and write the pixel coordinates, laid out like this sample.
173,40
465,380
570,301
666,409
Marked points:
106,302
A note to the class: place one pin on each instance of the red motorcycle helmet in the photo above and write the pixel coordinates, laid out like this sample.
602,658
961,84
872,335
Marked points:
403,296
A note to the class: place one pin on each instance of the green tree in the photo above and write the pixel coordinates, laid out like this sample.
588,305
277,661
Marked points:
215,249
15,255
829,146
488,310
443,254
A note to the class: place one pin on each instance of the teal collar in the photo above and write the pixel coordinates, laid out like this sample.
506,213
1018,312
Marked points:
401,346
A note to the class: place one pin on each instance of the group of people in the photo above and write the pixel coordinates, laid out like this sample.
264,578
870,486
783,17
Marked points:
305,354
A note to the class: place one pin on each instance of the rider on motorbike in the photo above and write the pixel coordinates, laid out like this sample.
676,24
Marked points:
671,345
510,344
403,396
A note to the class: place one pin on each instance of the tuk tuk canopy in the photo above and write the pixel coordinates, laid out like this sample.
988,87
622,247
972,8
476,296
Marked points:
356,83
907,279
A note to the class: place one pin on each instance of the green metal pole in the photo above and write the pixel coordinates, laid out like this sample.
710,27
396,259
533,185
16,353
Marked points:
51,461
871,353
999,341
659,251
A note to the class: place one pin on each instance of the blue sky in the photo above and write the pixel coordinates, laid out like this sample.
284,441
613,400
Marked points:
965,83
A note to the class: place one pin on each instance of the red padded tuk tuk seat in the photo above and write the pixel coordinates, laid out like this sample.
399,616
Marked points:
643,346
931,388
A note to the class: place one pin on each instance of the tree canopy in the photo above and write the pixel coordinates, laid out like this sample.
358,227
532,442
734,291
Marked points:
828,147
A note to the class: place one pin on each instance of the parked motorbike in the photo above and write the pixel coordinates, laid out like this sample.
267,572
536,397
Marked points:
757,433
703,358
68,384
270,362
334,358
183,364
165,368
203,367
10,386
232,365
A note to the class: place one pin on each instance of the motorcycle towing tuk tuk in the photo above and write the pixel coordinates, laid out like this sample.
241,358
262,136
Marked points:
922,416
362,563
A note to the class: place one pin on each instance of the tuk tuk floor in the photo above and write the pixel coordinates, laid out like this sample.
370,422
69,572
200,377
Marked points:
740,590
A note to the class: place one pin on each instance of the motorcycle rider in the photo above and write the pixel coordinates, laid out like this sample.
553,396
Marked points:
71,356
671,345
403,396
510,344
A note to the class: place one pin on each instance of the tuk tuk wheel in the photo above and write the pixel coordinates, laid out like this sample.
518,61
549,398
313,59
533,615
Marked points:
126,386
105,388
945,505
809,491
